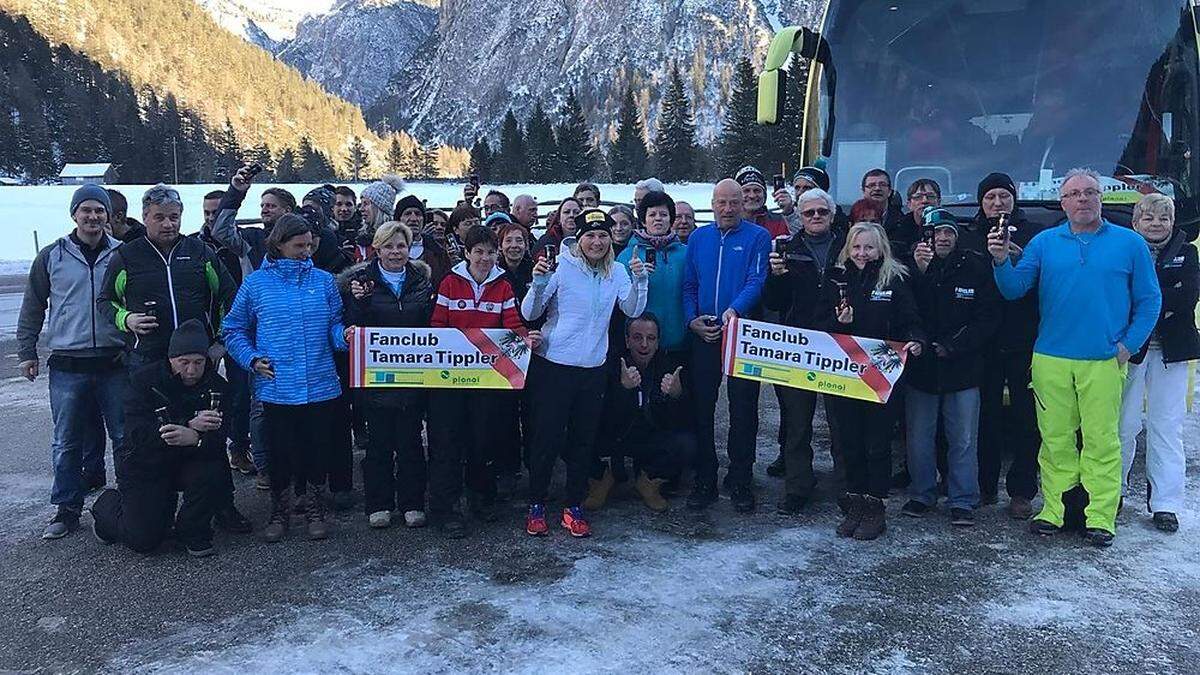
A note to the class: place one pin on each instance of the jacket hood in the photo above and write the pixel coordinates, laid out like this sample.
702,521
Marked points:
461,270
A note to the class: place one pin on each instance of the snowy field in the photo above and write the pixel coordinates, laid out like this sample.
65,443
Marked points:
44,209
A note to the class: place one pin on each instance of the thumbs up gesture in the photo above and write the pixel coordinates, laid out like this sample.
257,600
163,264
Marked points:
630,377
672,385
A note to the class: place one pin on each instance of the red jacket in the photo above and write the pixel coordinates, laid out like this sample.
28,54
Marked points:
462,303
774,223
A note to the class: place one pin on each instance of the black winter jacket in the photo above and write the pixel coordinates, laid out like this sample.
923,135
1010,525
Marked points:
190,282
960,310
634,414
1018,318
382,309
884,314
797,294
1179,279
154,386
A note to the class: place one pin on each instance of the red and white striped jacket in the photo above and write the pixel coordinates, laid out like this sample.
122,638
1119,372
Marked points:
463,303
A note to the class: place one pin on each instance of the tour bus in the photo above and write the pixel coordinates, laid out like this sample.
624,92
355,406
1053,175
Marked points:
955,89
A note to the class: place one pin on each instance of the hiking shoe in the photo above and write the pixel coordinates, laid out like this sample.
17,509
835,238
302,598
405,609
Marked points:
451,525
852,513
701,498
650,490
915,509
791,505
778,468
232,520
314,515
380,519
200,549
239,460
414,518
1043,528
742,497
598,491
262,481
1166,521
874,521
962,517
281,517
64,522
535,521
575,523
93,482
1020,508
1098,537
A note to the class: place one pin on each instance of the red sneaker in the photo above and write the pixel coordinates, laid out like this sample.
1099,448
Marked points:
535,521
573,520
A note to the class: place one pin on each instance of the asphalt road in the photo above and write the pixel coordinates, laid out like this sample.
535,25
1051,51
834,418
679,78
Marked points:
715,592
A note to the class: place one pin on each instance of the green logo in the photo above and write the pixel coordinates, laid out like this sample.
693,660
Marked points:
445,374
812,377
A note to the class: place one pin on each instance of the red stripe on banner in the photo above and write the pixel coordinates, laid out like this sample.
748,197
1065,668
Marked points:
360,337
504,365
872,377
728,347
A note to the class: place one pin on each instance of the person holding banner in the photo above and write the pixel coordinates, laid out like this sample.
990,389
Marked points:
798,274
476,294
959,303
868,297
284,326
392,291
567,378
723,279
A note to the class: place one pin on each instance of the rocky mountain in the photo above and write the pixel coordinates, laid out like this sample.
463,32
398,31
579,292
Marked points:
492,54
266,23
355,48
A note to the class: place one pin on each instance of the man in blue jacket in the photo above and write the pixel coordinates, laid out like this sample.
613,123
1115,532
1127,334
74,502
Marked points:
1099,299
724,274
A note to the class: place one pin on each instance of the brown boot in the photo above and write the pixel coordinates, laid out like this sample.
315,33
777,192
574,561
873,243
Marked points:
1020,508
315,514
598,491
873,523
852,512
650,491
281,515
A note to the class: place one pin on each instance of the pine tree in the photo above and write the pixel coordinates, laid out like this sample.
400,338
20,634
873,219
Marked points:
357,159
742,141
229,150
395,159
414,162
574,141
430,160
509,165
481,160
628,157
675,136
313,166
543,161
261,155
285,170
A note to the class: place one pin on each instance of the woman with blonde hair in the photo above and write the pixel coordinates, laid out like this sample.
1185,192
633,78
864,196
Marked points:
869,297
567,377
1157,380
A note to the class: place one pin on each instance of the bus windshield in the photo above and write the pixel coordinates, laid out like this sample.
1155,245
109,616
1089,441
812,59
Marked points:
956,89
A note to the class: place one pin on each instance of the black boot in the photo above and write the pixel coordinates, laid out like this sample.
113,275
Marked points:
873,522
232,520
852,513
778,468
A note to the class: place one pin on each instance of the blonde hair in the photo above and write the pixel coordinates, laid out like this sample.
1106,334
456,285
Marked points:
1155,203
604,267
390,229
890,269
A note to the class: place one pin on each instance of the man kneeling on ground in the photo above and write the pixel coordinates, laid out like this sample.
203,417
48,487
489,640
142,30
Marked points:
174,441
646,418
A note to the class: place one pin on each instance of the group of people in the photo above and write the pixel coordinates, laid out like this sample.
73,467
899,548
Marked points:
227,351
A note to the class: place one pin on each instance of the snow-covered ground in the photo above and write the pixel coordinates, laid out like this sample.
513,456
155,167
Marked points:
44,209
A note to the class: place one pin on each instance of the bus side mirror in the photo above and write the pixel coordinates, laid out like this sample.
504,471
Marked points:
772,95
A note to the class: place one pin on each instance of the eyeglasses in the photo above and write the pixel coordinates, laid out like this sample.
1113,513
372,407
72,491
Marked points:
923,195
1090,193
811,213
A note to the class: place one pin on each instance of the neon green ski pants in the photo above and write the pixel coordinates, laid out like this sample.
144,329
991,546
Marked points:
1075,395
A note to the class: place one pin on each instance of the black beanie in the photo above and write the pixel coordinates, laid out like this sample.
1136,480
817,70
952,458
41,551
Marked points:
814,175
189,338
652,199
593,219
993,181
409,202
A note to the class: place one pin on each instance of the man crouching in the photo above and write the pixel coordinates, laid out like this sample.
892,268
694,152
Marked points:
174,441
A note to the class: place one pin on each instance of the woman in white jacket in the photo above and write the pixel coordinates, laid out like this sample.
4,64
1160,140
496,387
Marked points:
567,377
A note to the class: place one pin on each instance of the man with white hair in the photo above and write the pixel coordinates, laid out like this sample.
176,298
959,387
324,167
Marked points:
794,289
642,187
1099,299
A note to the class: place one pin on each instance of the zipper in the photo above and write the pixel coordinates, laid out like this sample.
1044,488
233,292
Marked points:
170,282
717,286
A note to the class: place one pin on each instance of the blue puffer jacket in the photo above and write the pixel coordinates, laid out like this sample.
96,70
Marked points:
665,297
290,313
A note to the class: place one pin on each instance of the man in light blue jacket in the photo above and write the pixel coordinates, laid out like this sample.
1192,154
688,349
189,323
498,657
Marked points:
724,274
1099,299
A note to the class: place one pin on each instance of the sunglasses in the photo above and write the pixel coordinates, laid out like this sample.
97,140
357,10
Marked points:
814,212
